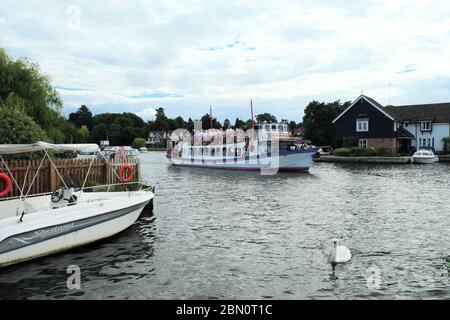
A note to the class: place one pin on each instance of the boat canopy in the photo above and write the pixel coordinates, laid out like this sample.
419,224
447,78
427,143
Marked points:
39,146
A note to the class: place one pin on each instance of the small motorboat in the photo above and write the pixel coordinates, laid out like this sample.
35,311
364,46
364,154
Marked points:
424,156
32,226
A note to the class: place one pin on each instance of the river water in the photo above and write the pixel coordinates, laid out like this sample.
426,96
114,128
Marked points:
239,235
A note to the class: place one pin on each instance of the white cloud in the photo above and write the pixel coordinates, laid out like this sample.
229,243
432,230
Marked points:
146,114
300,51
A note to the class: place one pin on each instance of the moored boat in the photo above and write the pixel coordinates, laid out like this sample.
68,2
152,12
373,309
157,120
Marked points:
424,157
39,225
264,147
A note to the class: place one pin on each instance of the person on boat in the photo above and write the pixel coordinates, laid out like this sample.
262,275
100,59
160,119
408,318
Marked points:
122,154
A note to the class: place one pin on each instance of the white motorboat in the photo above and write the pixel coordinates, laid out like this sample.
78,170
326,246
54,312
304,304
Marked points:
39,225
424,156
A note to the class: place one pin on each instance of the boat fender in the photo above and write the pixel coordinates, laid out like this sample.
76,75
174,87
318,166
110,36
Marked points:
7,182
121,170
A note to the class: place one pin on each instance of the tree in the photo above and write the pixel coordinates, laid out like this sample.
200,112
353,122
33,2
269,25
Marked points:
248,124
226,124
71,134
206,122
160,122
15,125
83,133
266,117
238,123
24,79
292,126
83,117
318,120
190,124
99,132
180,123
139,143
115,136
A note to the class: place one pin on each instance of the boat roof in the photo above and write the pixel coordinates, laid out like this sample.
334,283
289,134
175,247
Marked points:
40,145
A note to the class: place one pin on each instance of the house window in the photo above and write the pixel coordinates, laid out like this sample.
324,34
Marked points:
425,125
362,125
362,143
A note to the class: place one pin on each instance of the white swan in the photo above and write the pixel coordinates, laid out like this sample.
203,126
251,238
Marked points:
340,254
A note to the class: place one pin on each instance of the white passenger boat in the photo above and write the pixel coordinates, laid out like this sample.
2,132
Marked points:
424,156
39,225
264,147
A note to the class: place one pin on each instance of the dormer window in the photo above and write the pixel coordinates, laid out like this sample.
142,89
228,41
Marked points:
425,125
362,125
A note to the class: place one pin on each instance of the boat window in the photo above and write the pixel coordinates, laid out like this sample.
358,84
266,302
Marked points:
280,127
267,127
256,127
238,152
217,151
213,151
274,127
230,151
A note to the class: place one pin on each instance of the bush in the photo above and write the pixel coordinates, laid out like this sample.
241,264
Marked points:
342,152
350,142
362,152
446,142
139,143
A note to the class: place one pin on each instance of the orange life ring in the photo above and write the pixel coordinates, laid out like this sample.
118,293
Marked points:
130,173
7,181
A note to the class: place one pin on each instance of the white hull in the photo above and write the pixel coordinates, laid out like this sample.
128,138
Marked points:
78,225
288,161
425,160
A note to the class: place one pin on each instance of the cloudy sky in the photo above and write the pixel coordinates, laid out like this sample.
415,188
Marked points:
186,55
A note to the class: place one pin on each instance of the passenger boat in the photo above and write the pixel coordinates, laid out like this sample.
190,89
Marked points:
70,216
424,156
266,147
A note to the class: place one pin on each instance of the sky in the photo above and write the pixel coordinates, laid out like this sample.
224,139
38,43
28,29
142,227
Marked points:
185,56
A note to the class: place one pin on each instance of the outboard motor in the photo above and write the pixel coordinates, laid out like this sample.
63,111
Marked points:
63,197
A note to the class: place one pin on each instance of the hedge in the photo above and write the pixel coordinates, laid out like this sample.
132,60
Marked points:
363,152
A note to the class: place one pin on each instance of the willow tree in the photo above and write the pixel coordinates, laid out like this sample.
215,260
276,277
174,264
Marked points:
33,89
15,125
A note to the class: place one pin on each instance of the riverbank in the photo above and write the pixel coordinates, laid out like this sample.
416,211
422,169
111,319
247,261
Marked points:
370,160
156,149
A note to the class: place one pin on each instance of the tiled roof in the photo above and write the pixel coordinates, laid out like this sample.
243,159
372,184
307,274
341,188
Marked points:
437,112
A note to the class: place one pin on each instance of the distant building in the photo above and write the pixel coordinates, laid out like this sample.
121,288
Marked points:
299,132
157,139
398,128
